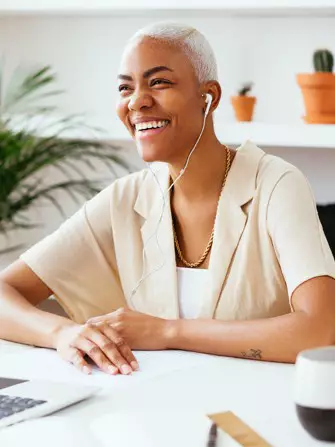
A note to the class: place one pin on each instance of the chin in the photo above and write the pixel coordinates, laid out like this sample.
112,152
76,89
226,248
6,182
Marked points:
150,155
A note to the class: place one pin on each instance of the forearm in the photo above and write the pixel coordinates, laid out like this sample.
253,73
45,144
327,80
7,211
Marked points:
277,339
21,322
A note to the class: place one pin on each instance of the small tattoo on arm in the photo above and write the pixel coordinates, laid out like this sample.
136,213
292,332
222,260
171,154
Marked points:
255,354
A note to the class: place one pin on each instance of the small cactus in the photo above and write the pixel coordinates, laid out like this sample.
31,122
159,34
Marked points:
323,60
245,89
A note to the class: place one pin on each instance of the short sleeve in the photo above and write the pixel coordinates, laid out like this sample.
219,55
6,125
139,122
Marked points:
77,261
296,232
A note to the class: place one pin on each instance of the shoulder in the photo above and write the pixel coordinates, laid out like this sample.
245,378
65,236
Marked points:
123,191
282,188
258,173
273,168
129,186
125,188
274,172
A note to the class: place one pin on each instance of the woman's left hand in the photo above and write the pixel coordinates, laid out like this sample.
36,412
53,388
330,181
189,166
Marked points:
140,331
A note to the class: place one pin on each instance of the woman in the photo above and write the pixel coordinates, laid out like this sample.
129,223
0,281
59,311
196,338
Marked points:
225,255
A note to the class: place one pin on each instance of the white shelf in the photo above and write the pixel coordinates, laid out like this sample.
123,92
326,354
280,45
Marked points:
302,135
319,136
311,136
279,135
196,8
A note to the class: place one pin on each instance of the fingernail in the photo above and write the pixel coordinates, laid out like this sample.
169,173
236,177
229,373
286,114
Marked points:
112,369
86,370
134,365
126,369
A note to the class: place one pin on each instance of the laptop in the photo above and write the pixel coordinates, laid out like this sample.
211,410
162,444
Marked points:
26,399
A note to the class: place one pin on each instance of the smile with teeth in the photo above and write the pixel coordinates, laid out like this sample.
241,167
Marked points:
151,125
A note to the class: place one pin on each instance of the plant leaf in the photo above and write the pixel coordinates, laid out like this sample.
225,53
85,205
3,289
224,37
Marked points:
31,148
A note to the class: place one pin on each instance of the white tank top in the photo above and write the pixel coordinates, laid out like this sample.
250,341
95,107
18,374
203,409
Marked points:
193,288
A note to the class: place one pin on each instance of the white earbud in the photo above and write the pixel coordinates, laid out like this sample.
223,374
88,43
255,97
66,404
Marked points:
208,101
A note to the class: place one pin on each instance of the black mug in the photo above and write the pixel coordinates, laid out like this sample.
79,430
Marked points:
314,392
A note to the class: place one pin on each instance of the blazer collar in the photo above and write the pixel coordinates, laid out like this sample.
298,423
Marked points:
241,181
158,292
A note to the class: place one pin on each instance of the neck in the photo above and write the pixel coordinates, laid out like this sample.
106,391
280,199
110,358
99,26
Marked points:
204,174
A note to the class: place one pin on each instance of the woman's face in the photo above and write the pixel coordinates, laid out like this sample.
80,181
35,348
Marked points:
160,100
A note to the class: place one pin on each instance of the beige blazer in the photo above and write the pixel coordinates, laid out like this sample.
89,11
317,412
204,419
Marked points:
268,240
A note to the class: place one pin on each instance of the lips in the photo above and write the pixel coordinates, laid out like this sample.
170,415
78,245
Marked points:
146,119
149,133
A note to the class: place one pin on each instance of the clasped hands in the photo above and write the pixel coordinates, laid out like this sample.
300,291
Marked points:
108,340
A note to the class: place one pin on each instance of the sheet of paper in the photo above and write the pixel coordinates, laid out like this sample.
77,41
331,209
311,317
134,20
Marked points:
157,428
50,431
122,429
45,364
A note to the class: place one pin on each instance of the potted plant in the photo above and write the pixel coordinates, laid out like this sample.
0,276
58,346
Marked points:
318,89
243,104
29,153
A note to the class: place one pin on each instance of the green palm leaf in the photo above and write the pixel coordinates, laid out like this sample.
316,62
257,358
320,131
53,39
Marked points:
27,153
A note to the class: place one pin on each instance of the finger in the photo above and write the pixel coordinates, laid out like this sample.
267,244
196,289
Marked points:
99,318
106,317
88,346
77,359
121,345
109,346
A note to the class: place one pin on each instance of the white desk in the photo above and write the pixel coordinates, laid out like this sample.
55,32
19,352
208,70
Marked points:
259,393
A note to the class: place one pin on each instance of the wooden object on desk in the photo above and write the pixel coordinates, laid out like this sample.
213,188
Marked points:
238,430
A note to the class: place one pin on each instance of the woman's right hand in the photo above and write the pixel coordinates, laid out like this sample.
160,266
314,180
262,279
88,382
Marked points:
101,343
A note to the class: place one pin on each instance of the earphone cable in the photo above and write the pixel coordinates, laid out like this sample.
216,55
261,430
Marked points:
155,234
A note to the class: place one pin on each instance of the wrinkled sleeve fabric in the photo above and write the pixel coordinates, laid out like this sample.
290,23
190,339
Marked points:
296,231
77,261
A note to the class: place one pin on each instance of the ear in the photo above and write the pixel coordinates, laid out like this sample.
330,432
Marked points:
214,89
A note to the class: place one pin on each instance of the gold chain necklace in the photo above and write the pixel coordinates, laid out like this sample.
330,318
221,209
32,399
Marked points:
210,242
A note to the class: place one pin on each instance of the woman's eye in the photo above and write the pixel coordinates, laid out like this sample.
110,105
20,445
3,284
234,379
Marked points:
160,81
123,88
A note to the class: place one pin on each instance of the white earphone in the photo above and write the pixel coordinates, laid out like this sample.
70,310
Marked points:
208,101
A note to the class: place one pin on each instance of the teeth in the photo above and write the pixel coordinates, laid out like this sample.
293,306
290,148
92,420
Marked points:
151,125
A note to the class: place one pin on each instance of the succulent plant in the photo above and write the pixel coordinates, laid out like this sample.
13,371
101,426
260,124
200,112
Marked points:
245,89
323,60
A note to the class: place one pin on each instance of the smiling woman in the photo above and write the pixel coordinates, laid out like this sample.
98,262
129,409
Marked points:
216,250
164,76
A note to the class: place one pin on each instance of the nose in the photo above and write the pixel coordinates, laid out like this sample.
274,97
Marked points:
139,100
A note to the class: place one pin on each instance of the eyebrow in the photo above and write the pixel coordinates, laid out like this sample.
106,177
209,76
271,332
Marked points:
147,73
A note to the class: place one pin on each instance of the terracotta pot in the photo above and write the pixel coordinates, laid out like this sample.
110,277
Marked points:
243,107
318,90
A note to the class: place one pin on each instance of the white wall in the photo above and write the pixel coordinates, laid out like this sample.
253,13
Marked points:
269,51
86,52
107,5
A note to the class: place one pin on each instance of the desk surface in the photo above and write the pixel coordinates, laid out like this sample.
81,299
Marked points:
259,393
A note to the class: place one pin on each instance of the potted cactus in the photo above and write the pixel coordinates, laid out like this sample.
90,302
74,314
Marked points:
243,104
318,89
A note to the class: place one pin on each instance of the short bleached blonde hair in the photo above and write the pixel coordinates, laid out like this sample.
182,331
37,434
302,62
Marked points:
190,40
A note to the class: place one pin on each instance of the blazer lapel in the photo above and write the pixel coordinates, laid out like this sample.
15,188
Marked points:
230,221
157,294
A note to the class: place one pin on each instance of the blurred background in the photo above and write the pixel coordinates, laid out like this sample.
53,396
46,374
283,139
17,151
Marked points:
266,43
